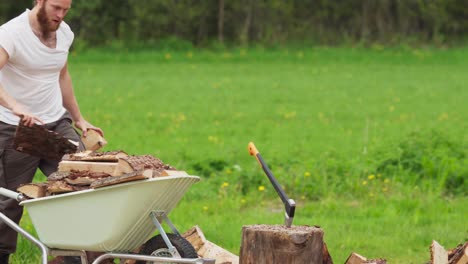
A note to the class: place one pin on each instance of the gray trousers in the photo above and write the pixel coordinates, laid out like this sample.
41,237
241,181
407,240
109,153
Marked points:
18,168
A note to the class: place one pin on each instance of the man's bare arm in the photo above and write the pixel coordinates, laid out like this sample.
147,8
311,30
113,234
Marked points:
70,103
10,103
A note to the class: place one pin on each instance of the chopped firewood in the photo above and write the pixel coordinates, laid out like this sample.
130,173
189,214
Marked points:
173,173
58,175
355,258
438,253
327,259
376,261
41,142
75,177
93,140
136,163
207,249
80,181
102,167
459,255
132,176
88,155
55,187
33,190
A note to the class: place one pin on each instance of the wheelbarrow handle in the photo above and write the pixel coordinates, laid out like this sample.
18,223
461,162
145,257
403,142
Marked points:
11,194
290,204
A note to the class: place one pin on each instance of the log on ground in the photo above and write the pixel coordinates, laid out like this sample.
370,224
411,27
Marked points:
459,255
438,253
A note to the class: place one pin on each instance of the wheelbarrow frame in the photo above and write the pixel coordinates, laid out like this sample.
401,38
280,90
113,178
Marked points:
156,217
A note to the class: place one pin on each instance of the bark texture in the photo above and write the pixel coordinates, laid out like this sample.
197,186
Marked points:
277,244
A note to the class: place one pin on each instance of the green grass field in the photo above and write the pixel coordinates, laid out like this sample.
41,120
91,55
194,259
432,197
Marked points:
371,143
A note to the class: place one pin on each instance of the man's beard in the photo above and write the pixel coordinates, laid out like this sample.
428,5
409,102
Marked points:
44,23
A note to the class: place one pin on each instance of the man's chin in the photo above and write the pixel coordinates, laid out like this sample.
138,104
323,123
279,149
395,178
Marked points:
53,26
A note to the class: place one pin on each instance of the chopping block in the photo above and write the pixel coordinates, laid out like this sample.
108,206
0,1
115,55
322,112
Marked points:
275,244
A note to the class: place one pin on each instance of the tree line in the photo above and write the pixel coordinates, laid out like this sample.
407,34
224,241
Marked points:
267,22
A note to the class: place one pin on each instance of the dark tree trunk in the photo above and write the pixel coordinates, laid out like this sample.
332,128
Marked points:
221,21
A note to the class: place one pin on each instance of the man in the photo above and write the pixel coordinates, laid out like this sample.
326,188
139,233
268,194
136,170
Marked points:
35,84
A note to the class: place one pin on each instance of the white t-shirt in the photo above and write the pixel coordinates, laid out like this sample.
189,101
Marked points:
31,75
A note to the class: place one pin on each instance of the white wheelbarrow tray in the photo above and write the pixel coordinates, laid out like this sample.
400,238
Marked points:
114,218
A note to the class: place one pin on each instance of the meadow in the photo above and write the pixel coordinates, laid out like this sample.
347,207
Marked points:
371,143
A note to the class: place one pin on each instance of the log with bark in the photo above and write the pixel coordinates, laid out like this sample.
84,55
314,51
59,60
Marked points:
355,258
132,176
88,155
41,142
136,163
459,255
207,249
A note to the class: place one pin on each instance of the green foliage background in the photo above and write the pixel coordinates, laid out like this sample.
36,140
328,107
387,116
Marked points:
270,22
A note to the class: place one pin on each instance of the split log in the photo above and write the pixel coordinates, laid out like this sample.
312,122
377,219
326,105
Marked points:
33,190
355,258
266,244
57,187
41,142
207,249
438,254
93,140
74,174
136,163
88,155
101,167
459,255
376,261
132,176
173,173
327,259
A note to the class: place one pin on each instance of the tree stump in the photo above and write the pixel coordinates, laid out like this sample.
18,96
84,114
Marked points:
270,244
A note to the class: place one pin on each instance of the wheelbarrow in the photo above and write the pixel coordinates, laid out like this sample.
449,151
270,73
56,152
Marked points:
115,220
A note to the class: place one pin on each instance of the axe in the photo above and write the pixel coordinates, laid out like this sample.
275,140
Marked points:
289,204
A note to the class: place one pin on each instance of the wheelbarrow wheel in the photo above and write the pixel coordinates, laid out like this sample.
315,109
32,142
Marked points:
158,248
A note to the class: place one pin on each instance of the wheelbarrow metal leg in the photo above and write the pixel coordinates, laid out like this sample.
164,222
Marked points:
28,236
158,225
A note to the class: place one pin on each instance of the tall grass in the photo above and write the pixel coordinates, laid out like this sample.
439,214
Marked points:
372,143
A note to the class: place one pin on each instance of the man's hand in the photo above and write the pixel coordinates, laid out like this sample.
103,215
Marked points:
84,125
27,118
